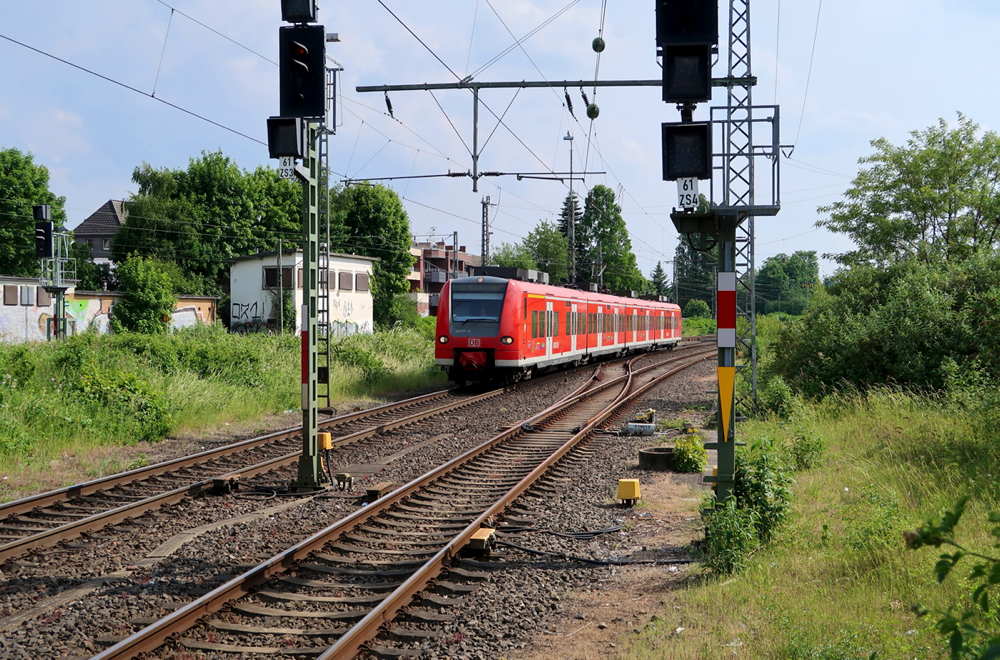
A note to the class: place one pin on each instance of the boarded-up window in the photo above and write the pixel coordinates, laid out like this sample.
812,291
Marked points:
27,296
345,281
298,281
10,294
361,282
44,299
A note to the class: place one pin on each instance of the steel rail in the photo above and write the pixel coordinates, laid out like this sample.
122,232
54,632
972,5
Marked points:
356,639
50,537
48,498
184,618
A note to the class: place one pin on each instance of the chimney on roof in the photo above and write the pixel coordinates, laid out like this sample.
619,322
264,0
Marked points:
461,248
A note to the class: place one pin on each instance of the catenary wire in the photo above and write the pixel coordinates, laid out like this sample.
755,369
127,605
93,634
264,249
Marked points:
812,57
133,89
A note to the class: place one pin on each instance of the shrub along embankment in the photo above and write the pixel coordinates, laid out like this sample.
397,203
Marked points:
62,400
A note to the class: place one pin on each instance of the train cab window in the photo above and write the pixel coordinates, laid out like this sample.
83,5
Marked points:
477,303
534,325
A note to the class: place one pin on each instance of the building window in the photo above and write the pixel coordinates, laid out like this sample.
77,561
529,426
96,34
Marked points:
90,243
107,243
44,298
345,281
271,277
10,294
27,296
361,282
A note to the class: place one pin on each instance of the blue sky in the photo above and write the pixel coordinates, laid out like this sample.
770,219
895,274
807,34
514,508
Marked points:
881,69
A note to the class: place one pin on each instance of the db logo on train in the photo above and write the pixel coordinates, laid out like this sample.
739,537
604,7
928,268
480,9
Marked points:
474,343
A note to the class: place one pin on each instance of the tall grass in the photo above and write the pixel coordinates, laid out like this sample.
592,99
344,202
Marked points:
65,399
837,581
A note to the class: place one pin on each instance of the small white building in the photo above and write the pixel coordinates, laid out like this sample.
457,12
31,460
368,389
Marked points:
255,291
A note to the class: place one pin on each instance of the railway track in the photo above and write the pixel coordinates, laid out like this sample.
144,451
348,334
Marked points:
45,520
333,594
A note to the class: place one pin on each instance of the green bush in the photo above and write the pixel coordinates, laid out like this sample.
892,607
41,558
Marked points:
697,309
351,352
139,408
690,454
730,538
17,365
762,486
806,450
149,297
776,397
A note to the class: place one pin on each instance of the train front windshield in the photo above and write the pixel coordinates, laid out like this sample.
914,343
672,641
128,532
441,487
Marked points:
476,308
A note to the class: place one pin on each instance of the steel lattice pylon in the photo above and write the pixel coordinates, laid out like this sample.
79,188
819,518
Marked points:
739,186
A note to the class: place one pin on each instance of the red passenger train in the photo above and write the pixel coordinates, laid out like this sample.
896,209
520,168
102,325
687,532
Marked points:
497,328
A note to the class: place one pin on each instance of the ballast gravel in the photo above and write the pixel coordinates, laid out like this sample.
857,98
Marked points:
500,618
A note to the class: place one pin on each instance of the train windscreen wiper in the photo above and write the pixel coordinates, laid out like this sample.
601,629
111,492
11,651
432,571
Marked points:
489,319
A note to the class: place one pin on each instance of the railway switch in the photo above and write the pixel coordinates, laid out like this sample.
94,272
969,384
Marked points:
628,491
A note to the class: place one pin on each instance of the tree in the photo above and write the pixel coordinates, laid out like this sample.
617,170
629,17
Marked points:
547,247
514,255
571,208
697,309
934,198
376,225
212,211
694,269
149,298
22,185
785,283
658,279
89,275
607,244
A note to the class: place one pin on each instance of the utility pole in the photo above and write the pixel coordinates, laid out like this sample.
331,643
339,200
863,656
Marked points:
281,293
486,231
571,220
298,133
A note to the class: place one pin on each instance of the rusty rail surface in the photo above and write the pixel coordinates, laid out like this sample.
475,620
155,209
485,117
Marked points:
183,619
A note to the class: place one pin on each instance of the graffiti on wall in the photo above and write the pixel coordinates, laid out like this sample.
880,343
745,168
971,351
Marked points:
244,312
19,323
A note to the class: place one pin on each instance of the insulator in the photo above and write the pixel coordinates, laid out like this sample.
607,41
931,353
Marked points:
569,102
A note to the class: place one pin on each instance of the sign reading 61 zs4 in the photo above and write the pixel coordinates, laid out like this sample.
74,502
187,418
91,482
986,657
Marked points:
687,193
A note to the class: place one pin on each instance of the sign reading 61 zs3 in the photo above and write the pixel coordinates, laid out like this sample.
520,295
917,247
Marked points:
687,193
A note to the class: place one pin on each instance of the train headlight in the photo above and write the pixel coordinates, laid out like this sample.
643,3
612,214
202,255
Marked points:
443,339
507,340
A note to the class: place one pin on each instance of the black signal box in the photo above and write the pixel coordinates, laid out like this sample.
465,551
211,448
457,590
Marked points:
687,22
687,151
302,70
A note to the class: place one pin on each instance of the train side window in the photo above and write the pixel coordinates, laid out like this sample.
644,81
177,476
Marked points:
541,330
534,325
569,324
524,306
555,324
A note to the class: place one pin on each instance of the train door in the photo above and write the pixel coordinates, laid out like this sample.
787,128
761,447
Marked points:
549,329
572,325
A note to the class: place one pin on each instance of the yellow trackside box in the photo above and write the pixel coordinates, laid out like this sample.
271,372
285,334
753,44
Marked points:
628,489
325,441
